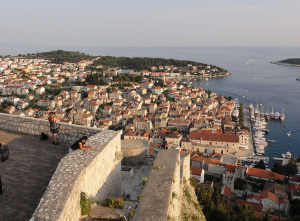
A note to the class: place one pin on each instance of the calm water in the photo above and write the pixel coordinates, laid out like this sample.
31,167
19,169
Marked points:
275,85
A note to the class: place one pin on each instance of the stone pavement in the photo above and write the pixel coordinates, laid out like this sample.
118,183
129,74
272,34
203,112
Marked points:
26,174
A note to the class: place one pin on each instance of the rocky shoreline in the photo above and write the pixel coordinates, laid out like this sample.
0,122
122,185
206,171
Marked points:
197,76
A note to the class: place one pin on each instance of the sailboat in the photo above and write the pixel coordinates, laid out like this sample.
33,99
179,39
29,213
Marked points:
262,113
256,112
272,114
282,115
289,133
267,114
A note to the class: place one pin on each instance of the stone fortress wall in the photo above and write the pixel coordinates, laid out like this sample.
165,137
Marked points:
68,133
96,172
162,195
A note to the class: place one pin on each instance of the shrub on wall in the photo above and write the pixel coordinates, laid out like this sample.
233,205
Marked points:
114,202
84,204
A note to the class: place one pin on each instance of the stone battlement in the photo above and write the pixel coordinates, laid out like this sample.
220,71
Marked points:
68,132
96,172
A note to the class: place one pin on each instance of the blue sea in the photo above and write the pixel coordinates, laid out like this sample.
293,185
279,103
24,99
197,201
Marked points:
253,76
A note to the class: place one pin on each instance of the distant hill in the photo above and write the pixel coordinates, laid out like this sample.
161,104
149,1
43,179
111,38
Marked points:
135,63
290,61
61,56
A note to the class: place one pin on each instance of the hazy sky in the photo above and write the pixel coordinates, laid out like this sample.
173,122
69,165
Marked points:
152,23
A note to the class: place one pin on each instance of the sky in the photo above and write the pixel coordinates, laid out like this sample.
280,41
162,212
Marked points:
154,23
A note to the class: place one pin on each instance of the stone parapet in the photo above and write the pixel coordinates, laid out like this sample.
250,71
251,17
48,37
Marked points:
68,132
96,172
161,195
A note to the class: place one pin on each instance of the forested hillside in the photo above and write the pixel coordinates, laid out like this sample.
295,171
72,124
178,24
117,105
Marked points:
291,61
61,56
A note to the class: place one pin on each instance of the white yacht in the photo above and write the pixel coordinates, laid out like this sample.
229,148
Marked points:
276,116
289,133
288,155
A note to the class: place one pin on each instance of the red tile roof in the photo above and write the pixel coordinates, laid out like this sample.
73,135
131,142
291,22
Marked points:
214,137
198,158
293,187
257,207
267,194
253,196
264,174
196,171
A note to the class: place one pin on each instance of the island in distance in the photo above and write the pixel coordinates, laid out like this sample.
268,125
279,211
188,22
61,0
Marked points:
288,62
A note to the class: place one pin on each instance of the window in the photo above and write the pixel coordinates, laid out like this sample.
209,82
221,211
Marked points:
209,143
205,150
221,151
214,151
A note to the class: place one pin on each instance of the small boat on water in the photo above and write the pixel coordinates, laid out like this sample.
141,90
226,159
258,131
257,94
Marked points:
243,97
288,155
289,133
272,141
282,115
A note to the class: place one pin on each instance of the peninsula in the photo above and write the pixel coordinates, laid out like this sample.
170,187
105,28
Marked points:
288,62
136,65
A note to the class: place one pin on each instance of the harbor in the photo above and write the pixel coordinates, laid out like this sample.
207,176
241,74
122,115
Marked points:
259,122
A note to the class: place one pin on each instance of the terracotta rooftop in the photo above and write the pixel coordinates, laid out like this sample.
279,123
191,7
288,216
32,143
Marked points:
267,194
198,158
253,196
214,137
264,174
257,207
196,171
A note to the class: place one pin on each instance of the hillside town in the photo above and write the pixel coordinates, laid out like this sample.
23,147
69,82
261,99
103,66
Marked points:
156,107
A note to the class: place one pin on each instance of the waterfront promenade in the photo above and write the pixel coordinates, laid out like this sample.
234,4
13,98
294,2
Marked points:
247,123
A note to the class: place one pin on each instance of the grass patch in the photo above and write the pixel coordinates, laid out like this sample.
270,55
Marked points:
131,213
113,202
84,204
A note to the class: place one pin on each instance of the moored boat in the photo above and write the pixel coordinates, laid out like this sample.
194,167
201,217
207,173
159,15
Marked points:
267,114
276,116
288,155
272,114
282,115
